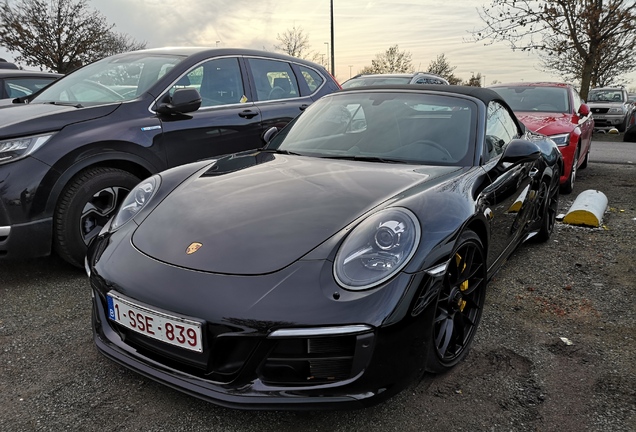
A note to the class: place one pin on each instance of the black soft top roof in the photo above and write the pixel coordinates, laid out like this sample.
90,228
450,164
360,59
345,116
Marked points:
484,94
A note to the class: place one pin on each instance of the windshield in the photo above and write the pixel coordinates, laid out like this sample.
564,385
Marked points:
118,78
605,96
540,99
385,127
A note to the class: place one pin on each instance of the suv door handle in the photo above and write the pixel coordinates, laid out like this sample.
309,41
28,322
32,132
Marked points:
248,114
303,107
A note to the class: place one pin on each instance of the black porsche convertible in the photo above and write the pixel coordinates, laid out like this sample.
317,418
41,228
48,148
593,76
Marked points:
332,267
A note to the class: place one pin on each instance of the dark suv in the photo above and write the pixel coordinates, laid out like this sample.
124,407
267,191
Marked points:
70,154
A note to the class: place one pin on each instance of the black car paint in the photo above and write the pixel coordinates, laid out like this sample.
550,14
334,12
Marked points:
125,135
257,300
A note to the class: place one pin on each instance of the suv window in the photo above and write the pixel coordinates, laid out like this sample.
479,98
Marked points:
18,87
218,81
609,95
500,129
314,79
273,79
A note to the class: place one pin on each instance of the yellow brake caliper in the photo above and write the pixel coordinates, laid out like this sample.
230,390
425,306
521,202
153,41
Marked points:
463,286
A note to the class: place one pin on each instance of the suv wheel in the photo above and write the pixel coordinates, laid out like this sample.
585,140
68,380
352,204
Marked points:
86,204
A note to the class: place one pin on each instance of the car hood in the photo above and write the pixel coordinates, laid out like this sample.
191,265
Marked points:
31,119
548,123
261,218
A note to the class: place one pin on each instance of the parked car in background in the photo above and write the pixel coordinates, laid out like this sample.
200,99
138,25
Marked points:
556,110
16,83
69,156
394,78
332,267
611,107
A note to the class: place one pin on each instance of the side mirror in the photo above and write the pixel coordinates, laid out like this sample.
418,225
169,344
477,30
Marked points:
584,110
269,134
182,101
520,151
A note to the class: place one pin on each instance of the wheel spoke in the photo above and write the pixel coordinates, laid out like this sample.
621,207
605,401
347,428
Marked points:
444,337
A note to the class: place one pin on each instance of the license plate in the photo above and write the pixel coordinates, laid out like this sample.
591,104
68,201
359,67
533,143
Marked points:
171,329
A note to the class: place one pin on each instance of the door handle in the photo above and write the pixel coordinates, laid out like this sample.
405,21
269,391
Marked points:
248,114
303,107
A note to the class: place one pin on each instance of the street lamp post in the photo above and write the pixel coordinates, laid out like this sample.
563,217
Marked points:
333,56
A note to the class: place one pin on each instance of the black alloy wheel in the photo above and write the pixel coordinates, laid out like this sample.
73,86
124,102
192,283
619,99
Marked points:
86,204
460,304
549,199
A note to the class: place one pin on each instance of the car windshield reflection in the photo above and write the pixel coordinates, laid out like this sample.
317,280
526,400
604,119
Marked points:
539,99
385,127
113,79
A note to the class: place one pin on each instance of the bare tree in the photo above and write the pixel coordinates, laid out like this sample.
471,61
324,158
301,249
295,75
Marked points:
391,61
59,35
563,28
615,57
294,42
442,67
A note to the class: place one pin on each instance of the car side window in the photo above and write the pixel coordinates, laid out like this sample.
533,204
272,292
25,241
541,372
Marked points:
25,86
218,81
274,79
314,79
500,129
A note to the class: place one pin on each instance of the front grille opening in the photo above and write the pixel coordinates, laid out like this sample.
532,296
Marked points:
310,361
229,355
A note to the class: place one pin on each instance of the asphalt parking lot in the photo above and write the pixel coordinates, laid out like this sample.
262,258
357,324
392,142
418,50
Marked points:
520,375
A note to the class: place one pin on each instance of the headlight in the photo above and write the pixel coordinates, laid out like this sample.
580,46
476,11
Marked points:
377,249
137,199
561,139
16,148
616,110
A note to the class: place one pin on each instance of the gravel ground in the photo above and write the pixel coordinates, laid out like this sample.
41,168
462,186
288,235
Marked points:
520,375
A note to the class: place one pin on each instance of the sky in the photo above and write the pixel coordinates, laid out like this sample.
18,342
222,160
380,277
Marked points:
425,28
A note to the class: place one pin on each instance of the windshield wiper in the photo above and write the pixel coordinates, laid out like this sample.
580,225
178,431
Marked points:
366,158
76,105
285,152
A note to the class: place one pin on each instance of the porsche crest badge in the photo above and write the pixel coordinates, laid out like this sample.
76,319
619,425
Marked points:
193,248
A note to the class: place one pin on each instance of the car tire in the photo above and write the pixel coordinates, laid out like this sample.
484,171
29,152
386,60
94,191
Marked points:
459,305
587,158
568,186
85,205
549,197
621,127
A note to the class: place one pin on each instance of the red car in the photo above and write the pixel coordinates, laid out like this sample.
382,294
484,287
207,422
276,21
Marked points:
556,110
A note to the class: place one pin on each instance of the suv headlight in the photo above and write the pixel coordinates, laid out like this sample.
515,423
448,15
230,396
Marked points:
561,139
616,110
16,148
377,249
137,199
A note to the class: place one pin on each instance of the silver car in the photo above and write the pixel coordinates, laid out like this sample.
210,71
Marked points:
611,107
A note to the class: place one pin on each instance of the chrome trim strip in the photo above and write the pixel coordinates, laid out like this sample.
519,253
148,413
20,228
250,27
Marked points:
5,231
320,331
